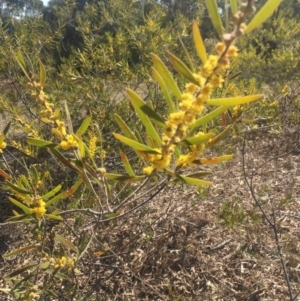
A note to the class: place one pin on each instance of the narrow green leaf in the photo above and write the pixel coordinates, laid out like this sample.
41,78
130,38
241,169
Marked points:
214,14
265,12
139,137
24,181
59,275
42,74
51,193
199,43
84,126
19,251
63,159
18,218
155,117
21,62
66,243
233,76
124,127
81,148
134,144
182,69
164,89
54,217
20,270
48,292
137,103
208,117
166,76
17,188
234,7
126,131
117,177
20,205
68,118
233,101
35,175
126,163
6,129
64,194
111,215
187,56
197,139
40,143
199,174
219,137
193,181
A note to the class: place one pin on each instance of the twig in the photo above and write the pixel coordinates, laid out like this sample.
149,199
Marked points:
273,224
275,230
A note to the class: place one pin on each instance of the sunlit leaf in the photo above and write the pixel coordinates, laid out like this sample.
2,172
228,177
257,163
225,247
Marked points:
54,217
64,194
166,76
134,144
182,69
197,139
264,13
193,181
84,126
81,148
155,117
234,6
164,89
35,175
66,242
19,217
17,188
122,178
137,103
124,127
208,117
126,163
198,41
20,205
21,62
233,101
51,193
214,14
40,143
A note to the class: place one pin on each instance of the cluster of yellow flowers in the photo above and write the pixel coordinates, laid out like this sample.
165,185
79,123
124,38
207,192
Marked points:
191,105
40,209
69,142
48,116
2,146
62,263
92,145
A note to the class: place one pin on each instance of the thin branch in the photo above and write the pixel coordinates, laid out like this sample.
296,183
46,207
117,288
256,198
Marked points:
286,276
